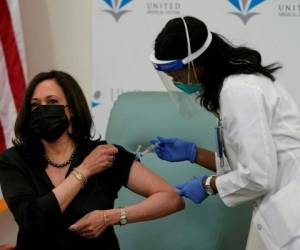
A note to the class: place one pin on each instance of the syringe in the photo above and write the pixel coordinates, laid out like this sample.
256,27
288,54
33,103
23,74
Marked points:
139,155
149,149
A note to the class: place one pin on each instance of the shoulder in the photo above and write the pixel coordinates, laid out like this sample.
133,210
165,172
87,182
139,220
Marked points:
247,81
246,86
11,152
11,156
89,146
246,96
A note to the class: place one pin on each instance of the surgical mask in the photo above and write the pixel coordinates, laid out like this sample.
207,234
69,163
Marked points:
190,88
48,122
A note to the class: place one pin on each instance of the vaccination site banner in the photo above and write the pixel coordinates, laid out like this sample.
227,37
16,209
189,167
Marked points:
124,31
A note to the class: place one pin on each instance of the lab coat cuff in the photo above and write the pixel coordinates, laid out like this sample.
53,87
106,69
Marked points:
223,193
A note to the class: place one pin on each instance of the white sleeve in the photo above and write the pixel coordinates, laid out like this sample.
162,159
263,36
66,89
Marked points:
222,168
246,120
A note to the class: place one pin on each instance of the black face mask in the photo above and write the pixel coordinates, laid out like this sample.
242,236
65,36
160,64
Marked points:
48,122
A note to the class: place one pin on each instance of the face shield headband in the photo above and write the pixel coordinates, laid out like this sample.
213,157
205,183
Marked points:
180,85
173,65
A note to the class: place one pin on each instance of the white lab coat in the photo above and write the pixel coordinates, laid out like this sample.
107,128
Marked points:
261,138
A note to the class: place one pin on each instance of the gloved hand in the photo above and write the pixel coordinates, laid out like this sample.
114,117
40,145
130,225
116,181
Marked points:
193,189
173,149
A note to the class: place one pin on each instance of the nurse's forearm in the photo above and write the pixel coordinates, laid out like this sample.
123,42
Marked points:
206,158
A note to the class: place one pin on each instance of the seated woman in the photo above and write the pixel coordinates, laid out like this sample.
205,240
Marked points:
61,185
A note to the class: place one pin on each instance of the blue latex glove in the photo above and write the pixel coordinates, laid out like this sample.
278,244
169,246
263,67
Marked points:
173,149
193,189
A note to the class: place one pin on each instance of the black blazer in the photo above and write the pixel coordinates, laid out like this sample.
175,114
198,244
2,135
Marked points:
27,189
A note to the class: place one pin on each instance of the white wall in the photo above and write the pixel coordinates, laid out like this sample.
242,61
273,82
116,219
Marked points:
57,35
8,228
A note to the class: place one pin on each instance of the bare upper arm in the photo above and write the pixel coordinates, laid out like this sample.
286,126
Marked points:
145,182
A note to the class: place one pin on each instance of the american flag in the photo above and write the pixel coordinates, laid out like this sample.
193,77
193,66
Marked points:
12,72
12,69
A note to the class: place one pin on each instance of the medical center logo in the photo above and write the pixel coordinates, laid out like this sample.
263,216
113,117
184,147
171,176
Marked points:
116,8
245,8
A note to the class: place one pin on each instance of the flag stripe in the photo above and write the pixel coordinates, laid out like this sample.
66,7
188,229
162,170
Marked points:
2,141
8,112
12,57
12,72
14,10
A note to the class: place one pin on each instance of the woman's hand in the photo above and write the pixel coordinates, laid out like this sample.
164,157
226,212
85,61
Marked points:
91,225
174,149
193,189
99,159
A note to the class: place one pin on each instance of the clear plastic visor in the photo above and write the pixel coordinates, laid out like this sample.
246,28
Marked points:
182,71
186,104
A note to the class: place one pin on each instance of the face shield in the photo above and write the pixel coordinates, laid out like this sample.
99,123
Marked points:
180,78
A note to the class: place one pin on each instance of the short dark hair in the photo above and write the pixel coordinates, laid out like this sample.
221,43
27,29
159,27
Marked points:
220,60
81,117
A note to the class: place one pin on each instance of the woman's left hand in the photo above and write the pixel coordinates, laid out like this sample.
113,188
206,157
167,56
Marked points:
91,225
193,189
